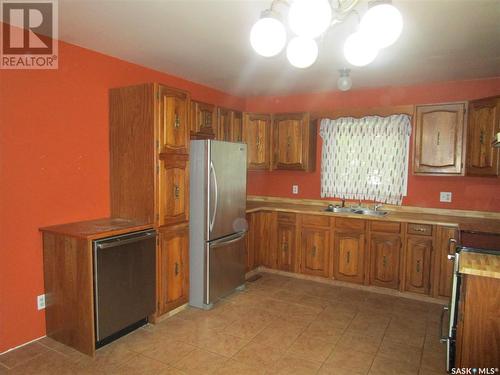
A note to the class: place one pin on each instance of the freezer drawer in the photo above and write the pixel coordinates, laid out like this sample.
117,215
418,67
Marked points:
226,264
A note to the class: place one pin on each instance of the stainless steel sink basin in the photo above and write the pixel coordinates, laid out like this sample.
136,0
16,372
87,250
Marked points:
367,211
339,209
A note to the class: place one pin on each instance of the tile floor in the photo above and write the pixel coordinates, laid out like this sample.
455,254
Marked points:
279,325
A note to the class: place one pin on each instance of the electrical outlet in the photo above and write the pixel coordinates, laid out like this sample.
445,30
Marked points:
295,189
445,196
40,300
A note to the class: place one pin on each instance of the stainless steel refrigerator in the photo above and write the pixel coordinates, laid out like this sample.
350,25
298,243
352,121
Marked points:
217,227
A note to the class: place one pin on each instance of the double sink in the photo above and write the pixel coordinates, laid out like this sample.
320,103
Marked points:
355,210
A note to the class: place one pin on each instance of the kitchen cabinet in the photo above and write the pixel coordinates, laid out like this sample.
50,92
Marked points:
385,252
484,123
265,240
250,241
478,343
173,267
286,246
294,142
173,115
230,125
445,245
418,264
439,139
203,121
349,256
257,136
315,248
173,203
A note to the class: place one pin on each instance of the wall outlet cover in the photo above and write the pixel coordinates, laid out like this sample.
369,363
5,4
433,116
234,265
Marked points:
295,189
445,196
40,300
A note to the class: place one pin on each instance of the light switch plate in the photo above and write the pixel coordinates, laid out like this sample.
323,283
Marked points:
295,189
445,196
40,301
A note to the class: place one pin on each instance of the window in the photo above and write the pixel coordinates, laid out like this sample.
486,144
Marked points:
365,159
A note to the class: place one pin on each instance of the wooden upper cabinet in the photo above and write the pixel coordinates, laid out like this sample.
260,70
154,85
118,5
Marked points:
349,256
384,263
315,248
439,139
257,136
173,267
203,121
173,190
418,264
294,142
230,125
173,116
484,123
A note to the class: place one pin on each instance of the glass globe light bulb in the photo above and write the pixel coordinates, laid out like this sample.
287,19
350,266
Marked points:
268,36
382,24
358,50
302,52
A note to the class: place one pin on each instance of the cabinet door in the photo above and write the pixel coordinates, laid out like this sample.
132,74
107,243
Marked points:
349,256
225,124
484,123
256,134
173,267
237,127
444,266
384,261
265,240
286,246
439,139
173,200
173,119
203,121
250,241
315,251
290,141
418,256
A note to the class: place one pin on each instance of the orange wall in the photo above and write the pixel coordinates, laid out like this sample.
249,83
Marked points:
54,165
471,193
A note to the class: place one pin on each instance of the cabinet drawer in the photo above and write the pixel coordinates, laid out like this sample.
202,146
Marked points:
344,223
422,229
385,226
316,220
286,217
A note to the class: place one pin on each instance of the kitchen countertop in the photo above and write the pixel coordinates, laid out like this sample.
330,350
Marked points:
479,224
479,264
99,228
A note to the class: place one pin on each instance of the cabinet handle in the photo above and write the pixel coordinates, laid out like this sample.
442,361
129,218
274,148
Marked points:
177,121
257,143
285,247
208,120
481,137
288,141
348,256
384,261
176,268
438,138
418,266
176,191
419,229
313,251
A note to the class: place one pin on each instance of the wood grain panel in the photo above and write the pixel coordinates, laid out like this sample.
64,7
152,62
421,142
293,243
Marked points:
286,246
346,223
173,200
203,119
349,256
418,257
385,227
420,229
315,247
385,260
257,136
316,220
173,113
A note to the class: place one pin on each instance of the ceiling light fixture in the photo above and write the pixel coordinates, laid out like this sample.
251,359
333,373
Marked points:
379,28
344,83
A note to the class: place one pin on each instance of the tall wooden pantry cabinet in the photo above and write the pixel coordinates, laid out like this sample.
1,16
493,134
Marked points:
149,173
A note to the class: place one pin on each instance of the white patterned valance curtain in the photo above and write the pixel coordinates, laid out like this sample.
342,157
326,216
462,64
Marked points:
365,159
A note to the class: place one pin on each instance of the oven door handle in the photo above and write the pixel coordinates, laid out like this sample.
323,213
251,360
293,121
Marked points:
443,338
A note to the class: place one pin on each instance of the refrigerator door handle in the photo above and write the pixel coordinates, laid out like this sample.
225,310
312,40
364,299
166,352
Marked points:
214,174
229,239
443,338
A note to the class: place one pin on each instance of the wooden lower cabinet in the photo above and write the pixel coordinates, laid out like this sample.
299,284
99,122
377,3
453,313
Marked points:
286,246
172,267
478,331
315,248
349,256
385,250
443,270
250,241
265,239
418,264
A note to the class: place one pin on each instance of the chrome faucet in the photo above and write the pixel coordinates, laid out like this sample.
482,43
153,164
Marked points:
343,203
377,206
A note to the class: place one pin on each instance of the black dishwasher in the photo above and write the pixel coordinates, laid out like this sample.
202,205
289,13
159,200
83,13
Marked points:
124,283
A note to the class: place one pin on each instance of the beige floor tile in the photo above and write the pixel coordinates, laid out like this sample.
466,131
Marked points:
434,360
311,348
332,369
200,362
400,351
24,353
222,344
385,366
258,355
168,351
326,330
407,333
232,367
359,343
430,372
141,365
48,363
349,359
245,328
292,365
109,355
280,335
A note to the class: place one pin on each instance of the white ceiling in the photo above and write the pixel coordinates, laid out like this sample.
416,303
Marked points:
207,41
